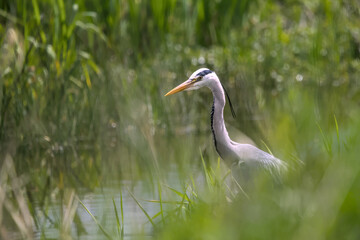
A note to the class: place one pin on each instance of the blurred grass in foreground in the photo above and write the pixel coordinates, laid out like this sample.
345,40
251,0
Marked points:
81,104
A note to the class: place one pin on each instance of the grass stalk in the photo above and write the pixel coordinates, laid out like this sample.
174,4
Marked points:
107,235
142,208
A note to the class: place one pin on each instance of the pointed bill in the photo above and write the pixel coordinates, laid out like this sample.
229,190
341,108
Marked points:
180,88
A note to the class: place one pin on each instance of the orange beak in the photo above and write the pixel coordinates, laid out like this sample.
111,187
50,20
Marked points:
181,87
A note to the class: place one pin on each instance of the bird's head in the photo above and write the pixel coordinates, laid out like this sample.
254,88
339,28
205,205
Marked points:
200,78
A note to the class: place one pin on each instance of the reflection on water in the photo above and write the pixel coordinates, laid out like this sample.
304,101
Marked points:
100,203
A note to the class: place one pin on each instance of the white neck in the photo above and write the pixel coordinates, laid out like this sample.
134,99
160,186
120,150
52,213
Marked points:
220,134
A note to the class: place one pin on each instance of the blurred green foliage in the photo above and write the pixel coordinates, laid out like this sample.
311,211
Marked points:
81,97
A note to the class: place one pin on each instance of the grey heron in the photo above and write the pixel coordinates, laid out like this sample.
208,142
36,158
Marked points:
231,152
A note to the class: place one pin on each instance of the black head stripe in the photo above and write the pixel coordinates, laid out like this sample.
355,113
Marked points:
203,73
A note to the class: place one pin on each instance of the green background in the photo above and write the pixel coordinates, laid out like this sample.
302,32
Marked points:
82,107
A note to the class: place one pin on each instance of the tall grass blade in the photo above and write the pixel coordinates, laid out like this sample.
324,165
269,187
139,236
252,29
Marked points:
337,133
38,20
157,214
208,178
326,142
117,217
182,195
87,75
165,202
239,186
122,214
267,148
182,203
142,209
193,189
161,205
108,236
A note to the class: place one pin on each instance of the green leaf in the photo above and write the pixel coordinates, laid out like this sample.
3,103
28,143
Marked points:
95,220
142,209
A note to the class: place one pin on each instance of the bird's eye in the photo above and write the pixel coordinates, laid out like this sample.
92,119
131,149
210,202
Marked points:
196,79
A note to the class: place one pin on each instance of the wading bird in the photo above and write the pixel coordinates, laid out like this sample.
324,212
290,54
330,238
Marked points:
231,152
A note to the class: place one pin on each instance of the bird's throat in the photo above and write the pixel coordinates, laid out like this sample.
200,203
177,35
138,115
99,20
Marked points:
220,134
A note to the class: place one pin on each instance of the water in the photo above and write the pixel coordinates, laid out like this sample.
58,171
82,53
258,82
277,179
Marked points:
100,203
